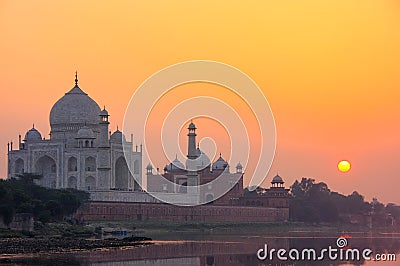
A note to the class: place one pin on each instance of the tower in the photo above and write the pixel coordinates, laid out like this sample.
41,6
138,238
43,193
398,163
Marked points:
149,169
104,156
192,175
103,137
192,154
239,168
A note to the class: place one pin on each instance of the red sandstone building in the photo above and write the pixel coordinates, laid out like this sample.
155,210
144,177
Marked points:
219,193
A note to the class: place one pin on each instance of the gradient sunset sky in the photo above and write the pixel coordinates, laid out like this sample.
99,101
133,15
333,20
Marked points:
330,71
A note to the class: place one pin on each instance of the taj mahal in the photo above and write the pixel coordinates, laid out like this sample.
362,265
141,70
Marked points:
81,152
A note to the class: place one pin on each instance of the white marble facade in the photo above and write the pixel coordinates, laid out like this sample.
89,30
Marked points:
81,152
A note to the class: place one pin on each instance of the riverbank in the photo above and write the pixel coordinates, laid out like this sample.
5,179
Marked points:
62,237
59,245
185,230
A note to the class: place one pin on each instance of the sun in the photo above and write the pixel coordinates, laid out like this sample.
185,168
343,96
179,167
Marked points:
344,166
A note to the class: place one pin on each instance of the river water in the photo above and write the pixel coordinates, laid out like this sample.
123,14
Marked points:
214,249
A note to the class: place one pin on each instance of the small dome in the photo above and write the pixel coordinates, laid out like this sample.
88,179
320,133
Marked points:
178,164
220,164
85,133
149,167
192,126
239,166
202,161
104,112
175,165
277,179
117,137
33,135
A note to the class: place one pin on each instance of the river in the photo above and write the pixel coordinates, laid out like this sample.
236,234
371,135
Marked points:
240,249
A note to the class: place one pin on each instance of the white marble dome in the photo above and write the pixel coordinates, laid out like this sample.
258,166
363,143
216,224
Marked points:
75,107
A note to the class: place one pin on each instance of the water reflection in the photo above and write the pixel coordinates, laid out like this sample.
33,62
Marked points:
217,250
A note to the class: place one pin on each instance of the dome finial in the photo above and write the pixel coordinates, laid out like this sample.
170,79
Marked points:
33,125
76,78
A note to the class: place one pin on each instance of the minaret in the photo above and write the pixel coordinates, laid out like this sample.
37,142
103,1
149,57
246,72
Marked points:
192,154
104,154
192,175
149,169
103,137
239,168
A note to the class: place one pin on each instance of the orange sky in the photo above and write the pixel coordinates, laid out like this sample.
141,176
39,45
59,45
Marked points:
329,69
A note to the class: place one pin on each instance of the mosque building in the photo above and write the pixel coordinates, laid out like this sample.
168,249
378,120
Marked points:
81,153
198,176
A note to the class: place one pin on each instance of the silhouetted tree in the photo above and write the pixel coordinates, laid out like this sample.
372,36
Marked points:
21,194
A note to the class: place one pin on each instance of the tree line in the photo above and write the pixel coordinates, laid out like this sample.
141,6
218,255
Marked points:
315,202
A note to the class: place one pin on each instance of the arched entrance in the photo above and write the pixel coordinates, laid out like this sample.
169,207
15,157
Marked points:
122,174
19,166
72,182
183,187
46,166
90,183
90,164
72,164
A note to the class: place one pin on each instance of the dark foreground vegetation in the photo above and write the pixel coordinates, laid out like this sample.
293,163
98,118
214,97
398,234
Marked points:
22,195
53,228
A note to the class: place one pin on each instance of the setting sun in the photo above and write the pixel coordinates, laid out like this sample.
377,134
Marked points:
344,166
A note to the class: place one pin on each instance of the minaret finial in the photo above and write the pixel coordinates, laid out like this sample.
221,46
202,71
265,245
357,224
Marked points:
76,78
